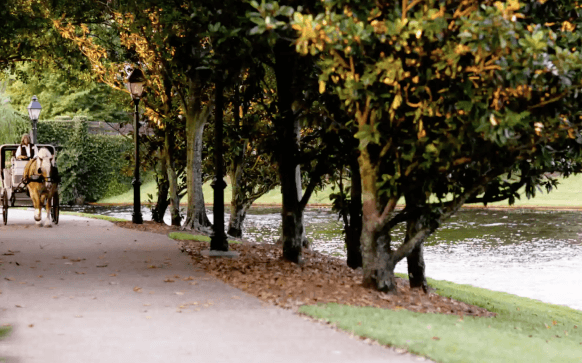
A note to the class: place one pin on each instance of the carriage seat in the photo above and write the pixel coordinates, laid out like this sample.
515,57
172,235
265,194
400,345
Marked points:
17,170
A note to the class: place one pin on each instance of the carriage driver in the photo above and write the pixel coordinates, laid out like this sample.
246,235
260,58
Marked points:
26,150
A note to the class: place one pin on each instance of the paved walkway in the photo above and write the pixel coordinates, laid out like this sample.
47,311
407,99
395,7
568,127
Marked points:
87,291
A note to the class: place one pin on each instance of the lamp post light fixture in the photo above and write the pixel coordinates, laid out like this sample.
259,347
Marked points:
34,109
135,83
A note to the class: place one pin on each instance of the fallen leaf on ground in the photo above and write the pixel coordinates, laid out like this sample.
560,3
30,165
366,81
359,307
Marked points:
169,280
19,306
179,293
189,278
113,275
147,304
78,316
260,268
79,273
9,278
137,289
30,325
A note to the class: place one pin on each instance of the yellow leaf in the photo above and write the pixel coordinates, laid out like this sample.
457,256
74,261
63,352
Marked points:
396,102
321,86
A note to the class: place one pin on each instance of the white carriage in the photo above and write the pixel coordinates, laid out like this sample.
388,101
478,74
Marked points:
13,190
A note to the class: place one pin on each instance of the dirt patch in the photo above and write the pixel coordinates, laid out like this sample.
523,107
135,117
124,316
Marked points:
261,271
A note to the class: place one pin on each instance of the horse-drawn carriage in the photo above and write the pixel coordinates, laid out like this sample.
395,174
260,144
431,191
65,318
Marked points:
15,184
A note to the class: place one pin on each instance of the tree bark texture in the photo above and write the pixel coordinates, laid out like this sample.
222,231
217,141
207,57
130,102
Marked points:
196,118
354,229
172,179
237,209
287,129
163,186
416,267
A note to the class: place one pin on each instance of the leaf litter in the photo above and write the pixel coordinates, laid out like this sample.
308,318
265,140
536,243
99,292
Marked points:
261,271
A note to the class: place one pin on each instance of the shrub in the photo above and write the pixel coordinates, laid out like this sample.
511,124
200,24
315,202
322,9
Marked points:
91,166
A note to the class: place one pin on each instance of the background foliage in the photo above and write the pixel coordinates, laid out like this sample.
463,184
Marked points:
91,166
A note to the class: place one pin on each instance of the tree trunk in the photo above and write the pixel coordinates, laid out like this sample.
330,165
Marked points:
196,117
237,210
416,268
159,210
237,217
354,230
415,258
287,129
172,178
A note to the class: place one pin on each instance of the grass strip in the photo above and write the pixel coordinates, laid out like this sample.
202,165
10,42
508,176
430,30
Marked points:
524,330
183,236
4,331
95,216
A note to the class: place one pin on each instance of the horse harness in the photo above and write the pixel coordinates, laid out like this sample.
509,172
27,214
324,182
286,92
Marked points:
39,178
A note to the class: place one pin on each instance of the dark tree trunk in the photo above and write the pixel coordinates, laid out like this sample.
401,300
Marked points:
172,179
287,129
415,258
159,210
237,218
237,207
354,231
416,268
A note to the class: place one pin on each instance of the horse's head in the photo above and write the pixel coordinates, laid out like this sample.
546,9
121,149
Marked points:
44,164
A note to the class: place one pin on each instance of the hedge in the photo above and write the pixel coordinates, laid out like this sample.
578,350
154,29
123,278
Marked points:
91,166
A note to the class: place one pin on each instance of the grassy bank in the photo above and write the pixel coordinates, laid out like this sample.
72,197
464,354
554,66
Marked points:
568,194
524,330
271,198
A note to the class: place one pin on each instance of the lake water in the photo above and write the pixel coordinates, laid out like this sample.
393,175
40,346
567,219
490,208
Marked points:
536,254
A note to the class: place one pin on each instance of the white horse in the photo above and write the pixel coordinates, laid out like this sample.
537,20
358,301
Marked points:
41,187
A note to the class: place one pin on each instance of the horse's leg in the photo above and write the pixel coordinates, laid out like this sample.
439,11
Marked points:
36,204
48,223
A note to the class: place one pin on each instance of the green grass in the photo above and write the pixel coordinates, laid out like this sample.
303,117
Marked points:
271,198
95,216
182,236
524,330
568,194
4,331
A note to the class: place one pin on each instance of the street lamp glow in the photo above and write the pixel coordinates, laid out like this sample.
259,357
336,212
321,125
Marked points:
34,109
135,83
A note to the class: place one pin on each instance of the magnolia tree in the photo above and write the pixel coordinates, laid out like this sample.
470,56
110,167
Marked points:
451,102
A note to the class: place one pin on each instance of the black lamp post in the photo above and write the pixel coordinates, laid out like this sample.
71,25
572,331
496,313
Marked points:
135,82
34,109
218,240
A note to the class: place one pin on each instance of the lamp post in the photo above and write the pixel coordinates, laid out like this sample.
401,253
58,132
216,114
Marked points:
218,240
34,109
135,82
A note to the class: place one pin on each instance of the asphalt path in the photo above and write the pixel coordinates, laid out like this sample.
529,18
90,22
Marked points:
88,291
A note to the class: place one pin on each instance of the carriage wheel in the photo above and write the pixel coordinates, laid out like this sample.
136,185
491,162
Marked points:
55,208
13,199
5,207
